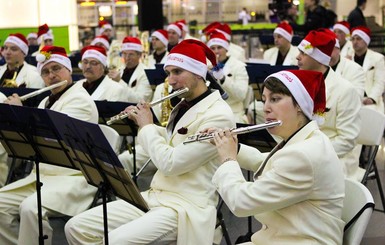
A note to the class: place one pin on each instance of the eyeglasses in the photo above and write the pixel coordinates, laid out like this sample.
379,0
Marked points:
54,70
91,63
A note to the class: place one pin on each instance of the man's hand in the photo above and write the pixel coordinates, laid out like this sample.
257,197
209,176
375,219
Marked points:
141,114
14,99
114,74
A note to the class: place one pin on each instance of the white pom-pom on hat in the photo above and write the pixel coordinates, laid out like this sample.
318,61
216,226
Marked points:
40,57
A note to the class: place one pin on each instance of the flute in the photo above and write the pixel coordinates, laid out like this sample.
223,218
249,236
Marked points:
234,131
123,115
42,90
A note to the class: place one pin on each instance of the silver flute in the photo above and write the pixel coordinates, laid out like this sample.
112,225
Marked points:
42,90
123,115
234,131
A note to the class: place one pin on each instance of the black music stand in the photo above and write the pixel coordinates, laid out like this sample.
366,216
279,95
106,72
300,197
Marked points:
264,142
31,102
99,164
156,76
258,73
30,134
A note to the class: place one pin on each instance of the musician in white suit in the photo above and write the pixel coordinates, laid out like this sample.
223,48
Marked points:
283,53
65,191
232,75
342,30
342,122
133,76
298,188
97,84
374,67
181,197
14,51
3,155
159,42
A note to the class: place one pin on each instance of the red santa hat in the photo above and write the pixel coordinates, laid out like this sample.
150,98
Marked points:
210,26
19,40
319,45
162,35
53,53
191,55
103,39
363,32
132,43
95,52
175,27
44,33
333,35
32,35
225,30
104,25
183,24
308,89
285,30
217,38
343,26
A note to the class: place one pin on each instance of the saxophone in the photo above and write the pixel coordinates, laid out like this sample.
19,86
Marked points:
166,106
144,38
11,83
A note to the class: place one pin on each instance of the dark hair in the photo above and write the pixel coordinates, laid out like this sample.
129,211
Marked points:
360,2
277,87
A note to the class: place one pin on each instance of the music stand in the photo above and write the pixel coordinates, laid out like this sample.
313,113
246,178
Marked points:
156,76
29,133
31,102
100,165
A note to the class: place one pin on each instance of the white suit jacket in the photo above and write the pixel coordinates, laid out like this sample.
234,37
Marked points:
183,179
152,61
28,75
236,51
290,60
374,67
298,198
76,103
342,122
347,50
236,85
108,90
352,72
138,88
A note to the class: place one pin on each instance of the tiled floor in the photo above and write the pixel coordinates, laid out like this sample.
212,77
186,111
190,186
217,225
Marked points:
375,234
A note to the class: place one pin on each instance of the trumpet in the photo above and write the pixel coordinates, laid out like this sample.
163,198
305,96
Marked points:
42,90
123,115
234,131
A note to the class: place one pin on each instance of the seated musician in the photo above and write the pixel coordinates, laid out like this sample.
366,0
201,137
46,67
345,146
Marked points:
181,198
65,191
298,188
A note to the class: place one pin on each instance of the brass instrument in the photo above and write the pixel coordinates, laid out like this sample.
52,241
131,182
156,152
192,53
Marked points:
42,90
144,38
166,106
234,131
123,115
11,83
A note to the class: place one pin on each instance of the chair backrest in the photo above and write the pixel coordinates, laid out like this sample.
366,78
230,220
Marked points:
249,97
358,207
372,126
112,136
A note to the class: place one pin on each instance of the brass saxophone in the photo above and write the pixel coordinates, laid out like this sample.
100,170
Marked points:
144,38
11,83
166,106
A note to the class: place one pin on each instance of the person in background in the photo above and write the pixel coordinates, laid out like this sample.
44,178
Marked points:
356,16
342,122
106,29
32,38
133,77
185,30
374,67
65,191
45,36
342,30
295,179
284,53
98,85
101,41
159,42
174,31
244,16
315,17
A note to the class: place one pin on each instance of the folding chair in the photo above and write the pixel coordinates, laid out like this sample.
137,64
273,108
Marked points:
372,130
358,207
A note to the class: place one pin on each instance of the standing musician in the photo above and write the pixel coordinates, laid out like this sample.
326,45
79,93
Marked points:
298,188
133,77
181,197
65,191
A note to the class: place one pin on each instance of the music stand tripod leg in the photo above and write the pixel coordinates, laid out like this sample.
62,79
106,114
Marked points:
39,184
104,190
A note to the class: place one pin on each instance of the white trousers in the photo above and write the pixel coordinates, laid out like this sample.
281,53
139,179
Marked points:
126,225
3,165
21,204
141,157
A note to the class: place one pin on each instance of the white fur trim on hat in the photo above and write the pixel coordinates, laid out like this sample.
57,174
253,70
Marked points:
298,91
65,61
342,28
32,35
132,46
174,28
306,47
363,35
160,36
283,33
105,27
96,55
187,63
102,41
227,36
218,41
20,43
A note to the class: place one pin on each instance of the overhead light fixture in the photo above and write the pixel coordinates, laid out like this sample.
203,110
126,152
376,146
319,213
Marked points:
105,10
87,4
